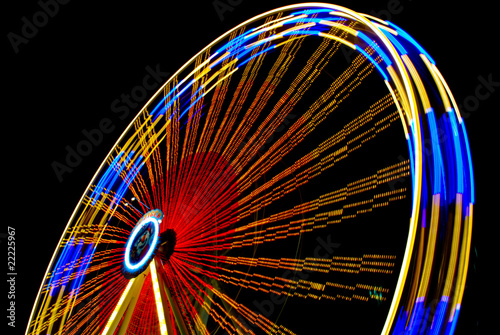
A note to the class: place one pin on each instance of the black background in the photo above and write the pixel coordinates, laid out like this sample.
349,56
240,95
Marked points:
64,79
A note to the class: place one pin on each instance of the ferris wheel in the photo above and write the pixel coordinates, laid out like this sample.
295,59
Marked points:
308,171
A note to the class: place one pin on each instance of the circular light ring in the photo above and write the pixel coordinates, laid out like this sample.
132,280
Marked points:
132,242
153,219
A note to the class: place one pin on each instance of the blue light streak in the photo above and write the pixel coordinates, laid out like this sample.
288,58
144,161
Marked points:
202,86
469,160
237,41
171,101
438,315
75,286
194,114
400,323
412,163
458,152
450,328
57,273
257,54
304,32
363,52
313,11
448,159
105,179
395,42
437,159
313,20
418,315
410,39
72,262
375,47
109,178
132,173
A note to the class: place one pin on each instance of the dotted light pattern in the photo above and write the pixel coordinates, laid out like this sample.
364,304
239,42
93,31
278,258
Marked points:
258,146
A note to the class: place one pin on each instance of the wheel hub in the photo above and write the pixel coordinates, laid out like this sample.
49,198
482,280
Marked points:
143,243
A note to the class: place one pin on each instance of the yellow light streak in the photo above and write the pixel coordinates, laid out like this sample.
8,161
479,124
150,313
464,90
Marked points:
454,246
281,22
418,82
220,80
158,300
398,106
442,92
431,246
303,26
118,307
386,28
466,240
450,95
338,39
407,110
340,26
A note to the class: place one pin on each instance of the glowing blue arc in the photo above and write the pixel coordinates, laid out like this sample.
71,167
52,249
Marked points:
469,160
375,46
359,49
410,39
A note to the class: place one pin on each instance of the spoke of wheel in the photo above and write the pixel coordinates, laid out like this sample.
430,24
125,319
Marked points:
125,306
164,300
162,305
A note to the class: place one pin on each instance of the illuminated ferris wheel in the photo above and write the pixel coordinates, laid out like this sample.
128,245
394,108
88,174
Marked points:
306,170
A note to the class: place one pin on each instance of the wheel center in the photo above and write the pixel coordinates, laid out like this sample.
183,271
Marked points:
142,244
168,239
